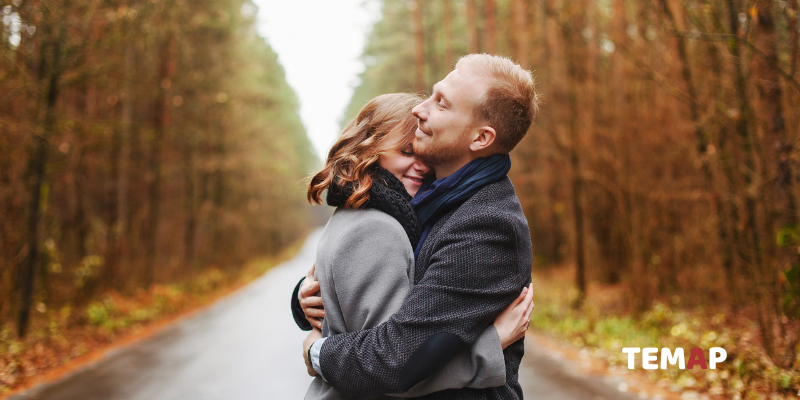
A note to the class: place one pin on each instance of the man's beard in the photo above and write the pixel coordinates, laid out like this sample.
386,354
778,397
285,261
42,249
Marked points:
440,152
436,153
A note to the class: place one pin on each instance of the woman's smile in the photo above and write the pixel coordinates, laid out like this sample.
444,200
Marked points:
414,180
405,166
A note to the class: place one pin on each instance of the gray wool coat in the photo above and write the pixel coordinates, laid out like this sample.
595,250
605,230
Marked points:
475,261
365,266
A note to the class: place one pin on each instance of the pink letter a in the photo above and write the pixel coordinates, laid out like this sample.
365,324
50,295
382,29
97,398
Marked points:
696,357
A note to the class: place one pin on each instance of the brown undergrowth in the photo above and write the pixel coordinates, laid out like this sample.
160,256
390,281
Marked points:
68,338
606,323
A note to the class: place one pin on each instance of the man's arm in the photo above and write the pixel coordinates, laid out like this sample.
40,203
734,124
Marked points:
481,366
473,275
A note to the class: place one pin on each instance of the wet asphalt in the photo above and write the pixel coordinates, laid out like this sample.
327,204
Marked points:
247,347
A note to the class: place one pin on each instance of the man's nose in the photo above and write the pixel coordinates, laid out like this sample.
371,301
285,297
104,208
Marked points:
418,111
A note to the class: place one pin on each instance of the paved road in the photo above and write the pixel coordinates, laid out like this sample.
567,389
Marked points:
247,347
546,375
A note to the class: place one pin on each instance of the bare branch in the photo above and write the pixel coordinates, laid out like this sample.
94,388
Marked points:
727,36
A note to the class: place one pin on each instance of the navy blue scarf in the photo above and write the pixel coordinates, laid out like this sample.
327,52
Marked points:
435,198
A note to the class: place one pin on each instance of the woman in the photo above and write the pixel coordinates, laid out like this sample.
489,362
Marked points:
365,259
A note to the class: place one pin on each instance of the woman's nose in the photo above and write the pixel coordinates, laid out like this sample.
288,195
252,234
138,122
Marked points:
421,167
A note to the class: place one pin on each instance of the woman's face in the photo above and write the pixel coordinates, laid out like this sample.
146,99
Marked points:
406,167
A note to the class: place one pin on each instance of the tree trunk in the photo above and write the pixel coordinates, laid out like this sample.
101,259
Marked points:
122,231
769,89
575,78
218,189
447,25
77,224
702,139
793,34
542,36
490,31
472,26
750,247
686,74
111,266
162,121
191,213
521,29
577,207
419,49
726,218
620,126
49,74
794,28
780,168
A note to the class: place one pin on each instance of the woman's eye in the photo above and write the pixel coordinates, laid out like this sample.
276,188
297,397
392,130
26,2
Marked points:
407,153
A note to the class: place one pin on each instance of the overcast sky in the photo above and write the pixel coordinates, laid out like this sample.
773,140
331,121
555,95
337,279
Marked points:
319,43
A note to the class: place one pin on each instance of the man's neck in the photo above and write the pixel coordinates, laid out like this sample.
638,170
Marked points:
445,170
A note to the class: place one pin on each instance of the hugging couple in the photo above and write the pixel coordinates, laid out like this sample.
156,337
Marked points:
421,285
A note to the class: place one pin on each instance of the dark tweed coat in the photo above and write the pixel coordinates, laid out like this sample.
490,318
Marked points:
475,261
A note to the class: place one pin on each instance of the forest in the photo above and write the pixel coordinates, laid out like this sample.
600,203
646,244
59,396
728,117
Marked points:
663,164
142,142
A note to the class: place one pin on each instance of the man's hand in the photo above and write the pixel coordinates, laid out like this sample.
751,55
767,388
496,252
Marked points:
513,322
310,339
310,300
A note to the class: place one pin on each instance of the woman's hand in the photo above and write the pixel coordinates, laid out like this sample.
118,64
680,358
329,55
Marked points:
310,300
513,322
310,339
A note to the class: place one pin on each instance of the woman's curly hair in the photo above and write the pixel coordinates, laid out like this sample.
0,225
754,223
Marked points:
384,124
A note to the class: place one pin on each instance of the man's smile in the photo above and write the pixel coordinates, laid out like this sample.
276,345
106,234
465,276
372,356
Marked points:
421,132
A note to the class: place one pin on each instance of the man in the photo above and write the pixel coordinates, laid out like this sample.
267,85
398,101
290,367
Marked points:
475,253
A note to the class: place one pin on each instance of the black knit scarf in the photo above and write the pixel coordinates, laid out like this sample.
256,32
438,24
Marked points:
387,194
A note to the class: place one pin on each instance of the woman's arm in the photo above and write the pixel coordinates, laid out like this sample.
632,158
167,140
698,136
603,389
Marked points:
307,308
297,309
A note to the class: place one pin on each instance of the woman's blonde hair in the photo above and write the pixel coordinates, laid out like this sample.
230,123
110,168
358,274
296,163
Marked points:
384,124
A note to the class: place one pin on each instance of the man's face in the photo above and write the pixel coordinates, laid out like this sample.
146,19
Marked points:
445,125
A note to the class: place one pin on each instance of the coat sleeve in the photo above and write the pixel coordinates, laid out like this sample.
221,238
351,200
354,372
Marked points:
473,274
369,271
297,310
479,367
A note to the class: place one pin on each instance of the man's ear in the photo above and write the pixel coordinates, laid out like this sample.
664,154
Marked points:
483,138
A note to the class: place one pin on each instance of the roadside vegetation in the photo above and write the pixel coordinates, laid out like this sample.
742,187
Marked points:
64,338
606,323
